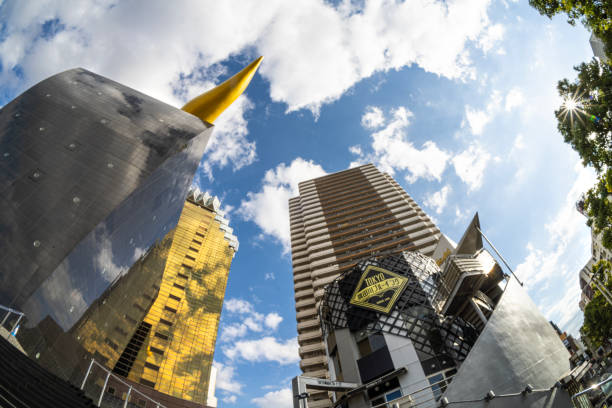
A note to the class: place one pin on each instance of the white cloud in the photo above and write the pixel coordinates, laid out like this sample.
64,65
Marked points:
373,118
229,143
273,320
275,399
437,200
514,98
493,34
543,263
314,51
550,268
471,164
230,399
392,151
269,207
461,215
251,320
356,150
225,378
269,276
233,331
519,142
238,306
477,119
264,349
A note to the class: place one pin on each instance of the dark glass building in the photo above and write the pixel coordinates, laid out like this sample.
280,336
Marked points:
93,177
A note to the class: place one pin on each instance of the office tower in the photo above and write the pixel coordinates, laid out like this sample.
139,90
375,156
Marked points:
93,175
176,356
336,221
173,296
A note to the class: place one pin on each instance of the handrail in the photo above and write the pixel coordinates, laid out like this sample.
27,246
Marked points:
592,387
421,399
110,374
10,311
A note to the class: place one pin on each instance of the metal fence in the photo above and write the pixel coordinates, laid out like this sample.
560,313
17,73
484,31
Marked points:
109,391
11,319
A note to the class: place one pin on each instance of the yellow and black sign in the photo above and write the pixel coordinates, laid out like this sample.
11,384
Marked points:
378,289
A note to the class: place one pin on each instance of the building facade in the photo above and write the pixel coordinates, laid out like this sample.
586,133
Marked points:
174,354
177,353
93,180
390,311
598,48
336,221
598,253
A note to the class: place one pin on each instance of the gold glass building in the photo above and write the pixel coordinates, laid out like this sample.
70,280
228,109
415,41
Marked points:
173,296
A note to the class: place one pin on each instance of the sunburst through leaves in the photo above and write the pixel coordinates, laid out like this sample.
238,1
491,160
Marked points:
572,107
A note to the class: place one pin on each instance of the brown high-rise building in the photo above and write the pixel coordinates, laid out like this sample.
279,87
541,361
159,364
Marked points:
336,221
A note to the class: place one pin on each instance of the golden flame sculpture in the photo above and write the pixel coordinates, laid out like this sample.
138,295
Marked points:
211,104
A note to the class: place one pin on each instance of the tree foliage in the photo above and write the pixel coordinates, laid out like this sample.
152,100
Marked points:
596,15
598,206
585,121
597,324
587,127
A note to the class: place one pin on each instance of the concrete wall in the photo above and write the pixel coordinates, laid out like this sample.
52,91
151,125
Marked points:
404,354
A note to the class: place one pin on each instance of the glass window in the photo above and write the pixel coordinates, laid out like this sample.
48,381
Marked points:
437,383
364,347
377,341
370,344
378,401
393,395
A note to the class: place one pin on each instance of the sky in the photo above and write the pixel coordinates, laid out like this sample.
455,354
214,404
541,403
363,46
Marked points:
454,99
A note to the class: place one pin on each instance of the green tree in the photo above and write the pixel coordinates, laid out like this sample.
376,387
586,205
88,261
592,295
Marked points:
585,121
597,324
598,206
585,118
596,15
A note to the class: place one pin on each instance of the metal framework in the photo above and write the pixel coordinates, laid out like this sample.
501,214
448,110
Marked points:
115,378
10,312
413,316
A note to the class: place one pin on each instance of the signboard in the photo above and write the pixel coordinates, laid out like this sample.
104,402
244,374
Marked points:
378,289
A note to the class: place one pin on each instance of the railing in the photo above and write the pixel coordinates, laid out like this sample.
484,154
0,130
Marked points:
10,312
432,396
110,399
425,397
591,388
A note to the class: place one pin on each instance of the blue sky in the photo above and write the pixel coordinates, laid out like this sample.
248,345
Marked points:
454,98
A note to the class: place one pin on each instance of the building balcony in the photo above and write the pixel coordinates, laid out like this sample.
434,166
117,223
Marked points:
303,294
311,347
298,277
302,285
312,312
315,334
305,302
318,361
322,403
308,324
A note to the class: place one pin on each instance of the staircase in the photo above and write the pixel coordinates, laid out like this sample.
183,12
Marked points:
25,384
